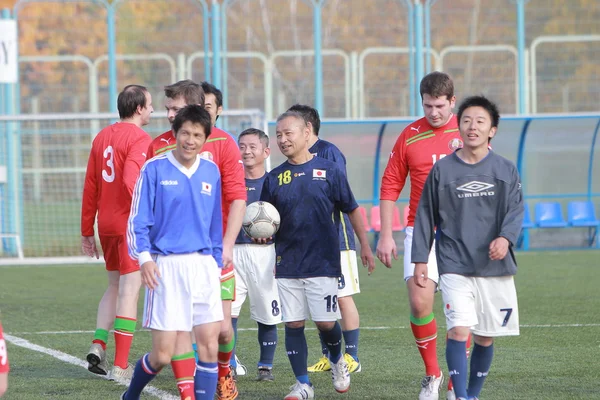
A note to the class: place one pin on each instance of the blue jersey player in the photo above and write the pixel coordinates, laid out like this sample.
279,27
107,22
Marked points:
309,192
254,263
348,284
175,231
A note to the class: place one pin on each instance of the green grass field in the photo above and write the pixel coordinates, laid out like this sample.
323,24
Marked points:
556,356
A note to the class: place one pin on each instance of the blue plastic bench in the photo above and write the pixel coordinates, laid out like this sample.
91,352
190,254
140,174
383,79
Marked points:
549,215
581,214
523,240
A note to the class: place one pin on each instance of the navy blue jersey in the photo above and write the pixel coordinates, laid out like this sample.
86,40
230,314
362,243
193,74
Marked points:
309,198
253,188
329,151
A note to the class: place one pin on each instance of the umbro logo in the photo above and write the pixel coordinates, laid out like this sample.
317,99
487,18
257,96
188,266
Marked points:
475,186
475,189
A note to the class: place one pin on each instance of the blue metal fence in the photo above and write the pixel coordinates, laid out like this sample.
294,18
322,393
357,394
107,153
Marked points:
419,34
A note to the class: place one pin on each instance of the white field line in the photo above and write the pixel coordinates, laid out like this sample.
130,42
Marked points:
367,328
17,341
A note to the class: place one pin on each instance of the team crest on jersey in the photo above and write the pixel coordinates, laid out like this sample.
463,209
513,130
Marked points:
455,144
319,174
207,155
206,188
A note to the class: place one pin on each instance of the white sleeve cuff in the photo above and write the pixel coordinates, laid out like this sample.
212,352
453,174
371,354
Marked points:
144,257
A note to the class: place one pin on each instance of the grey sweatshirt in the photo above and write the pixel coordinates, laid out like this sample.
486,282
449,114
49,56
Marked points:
468,206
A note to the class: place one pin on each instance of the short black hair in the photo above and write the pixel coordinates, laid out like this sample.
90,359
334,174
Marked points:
293,114
132,97
209,88
195,114
262,136
310,115
483,102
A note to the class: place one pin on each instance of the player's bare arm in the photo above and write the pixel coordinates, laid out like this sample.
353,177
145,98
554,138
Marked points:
420,276
150,274
386,246
366,255
88,246
234,224
499,248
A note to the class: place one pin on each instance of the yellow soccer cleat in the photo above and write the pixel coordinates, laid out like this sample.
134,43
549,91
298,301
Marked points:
353,365
321,366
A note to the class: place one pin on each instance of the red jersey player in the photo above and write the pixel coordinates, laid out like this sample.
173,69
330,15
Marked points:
117,155
222,149
418,147
4,367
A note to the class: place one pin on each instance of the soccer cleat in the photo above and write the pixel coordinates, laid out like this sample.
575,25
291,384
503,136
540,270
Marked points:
353,365
300,391
340,376
265,374
121,375
321,366
226,388
450,395
96,359
240,369
430,387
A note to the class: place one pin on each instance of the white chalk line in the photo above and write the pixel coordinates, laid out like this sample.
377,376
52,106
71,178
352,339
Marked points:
367,328
59,355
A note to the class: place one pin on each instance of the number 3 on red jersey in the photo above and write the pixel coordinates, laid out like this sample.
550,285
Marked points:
108,156
3,354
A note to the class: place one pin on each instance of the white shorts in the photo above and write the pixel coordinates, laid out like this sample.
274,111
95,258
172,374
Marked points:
348,282
255,278
488,305
409,268
314,298
188,293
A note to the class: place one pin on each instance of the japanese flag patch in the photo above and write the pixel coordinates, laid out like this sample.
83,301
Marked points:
206,188
319,173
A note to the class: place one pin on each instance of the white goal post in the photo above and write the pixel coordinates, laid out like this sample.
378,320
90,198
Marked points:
44,157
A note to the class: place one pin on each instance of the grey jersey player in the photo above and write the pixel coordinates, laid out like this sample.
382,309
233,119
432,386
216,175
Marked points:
472,205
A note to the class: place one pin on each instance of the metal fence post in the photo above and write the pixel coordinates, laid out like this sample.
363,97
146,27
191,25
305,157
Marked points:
215,16
112,61
317,38
411,58
418,15
521,50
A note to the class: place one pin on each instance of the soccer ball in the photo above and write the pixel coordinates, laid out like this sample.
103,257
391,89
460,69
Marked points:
261,220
